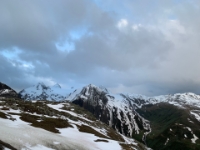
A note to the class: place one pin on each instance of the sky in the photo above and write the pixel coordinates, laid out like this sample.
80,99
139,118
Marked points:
130,46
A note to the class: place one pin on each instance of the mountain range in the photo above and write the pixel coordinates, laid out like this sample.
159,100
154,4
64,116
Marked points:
159,122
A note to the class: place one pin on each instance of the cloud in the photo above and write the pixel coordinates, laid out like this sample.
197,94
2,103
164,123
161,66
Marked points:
141,47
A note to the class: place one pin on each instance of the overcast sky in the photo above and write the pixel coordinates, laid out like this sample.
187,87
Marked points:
149,47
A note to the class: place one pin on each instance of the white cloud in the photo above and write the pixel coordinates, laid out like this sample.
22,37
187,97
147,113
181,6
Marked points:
136,27
122,23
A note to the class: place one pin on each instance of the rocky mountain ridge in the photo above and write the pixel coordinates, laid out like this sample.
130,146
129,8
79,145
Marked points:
55,93
119,115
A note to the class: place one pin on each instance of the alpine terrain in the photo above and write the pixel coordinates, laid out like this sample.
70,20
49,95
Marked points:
105,120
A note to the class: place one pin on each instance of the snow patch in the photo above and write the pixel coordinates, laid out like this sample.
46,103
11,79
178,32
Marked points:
194,139
185,135
167,141
59,106
89,140
196,114
56,142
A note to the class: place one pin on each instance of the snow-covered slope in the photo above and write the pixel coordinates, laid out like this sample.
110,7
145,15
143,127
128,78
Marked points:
43,92
56,126
6,91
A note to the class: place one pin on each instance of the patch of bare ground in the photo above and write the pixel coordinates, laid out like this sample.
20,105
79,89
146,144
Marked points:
5,108
101,140
3,115
49,124
87,129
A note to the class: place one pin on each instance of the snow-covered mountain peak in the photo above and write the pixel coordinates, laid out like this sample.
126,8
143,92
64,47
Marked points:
91,87
115,110
43,92
41,86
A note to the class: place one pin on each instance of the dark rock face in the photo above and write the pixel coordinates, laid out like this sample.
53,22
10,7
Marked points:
6,91
123,119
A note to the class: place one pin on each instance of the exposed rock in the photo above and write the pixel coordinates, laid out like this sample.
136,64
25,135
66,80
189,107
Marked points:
117,113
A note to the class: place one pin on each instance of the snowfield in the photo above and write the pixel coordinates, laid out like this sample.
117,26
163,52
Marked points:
22,136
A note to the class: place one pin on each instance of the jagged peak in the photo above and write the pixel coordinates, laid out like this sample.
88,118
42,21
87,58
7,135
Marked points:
98,88
41,85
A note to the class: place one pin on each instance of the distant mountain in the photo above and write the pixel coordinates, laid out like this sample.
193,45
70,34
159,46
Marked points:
6,91
43,92
182,100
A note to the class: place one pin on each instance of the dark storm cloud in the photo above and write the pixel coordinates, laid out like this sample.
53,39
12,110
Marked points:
131,46
12,74
118,51
37,25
